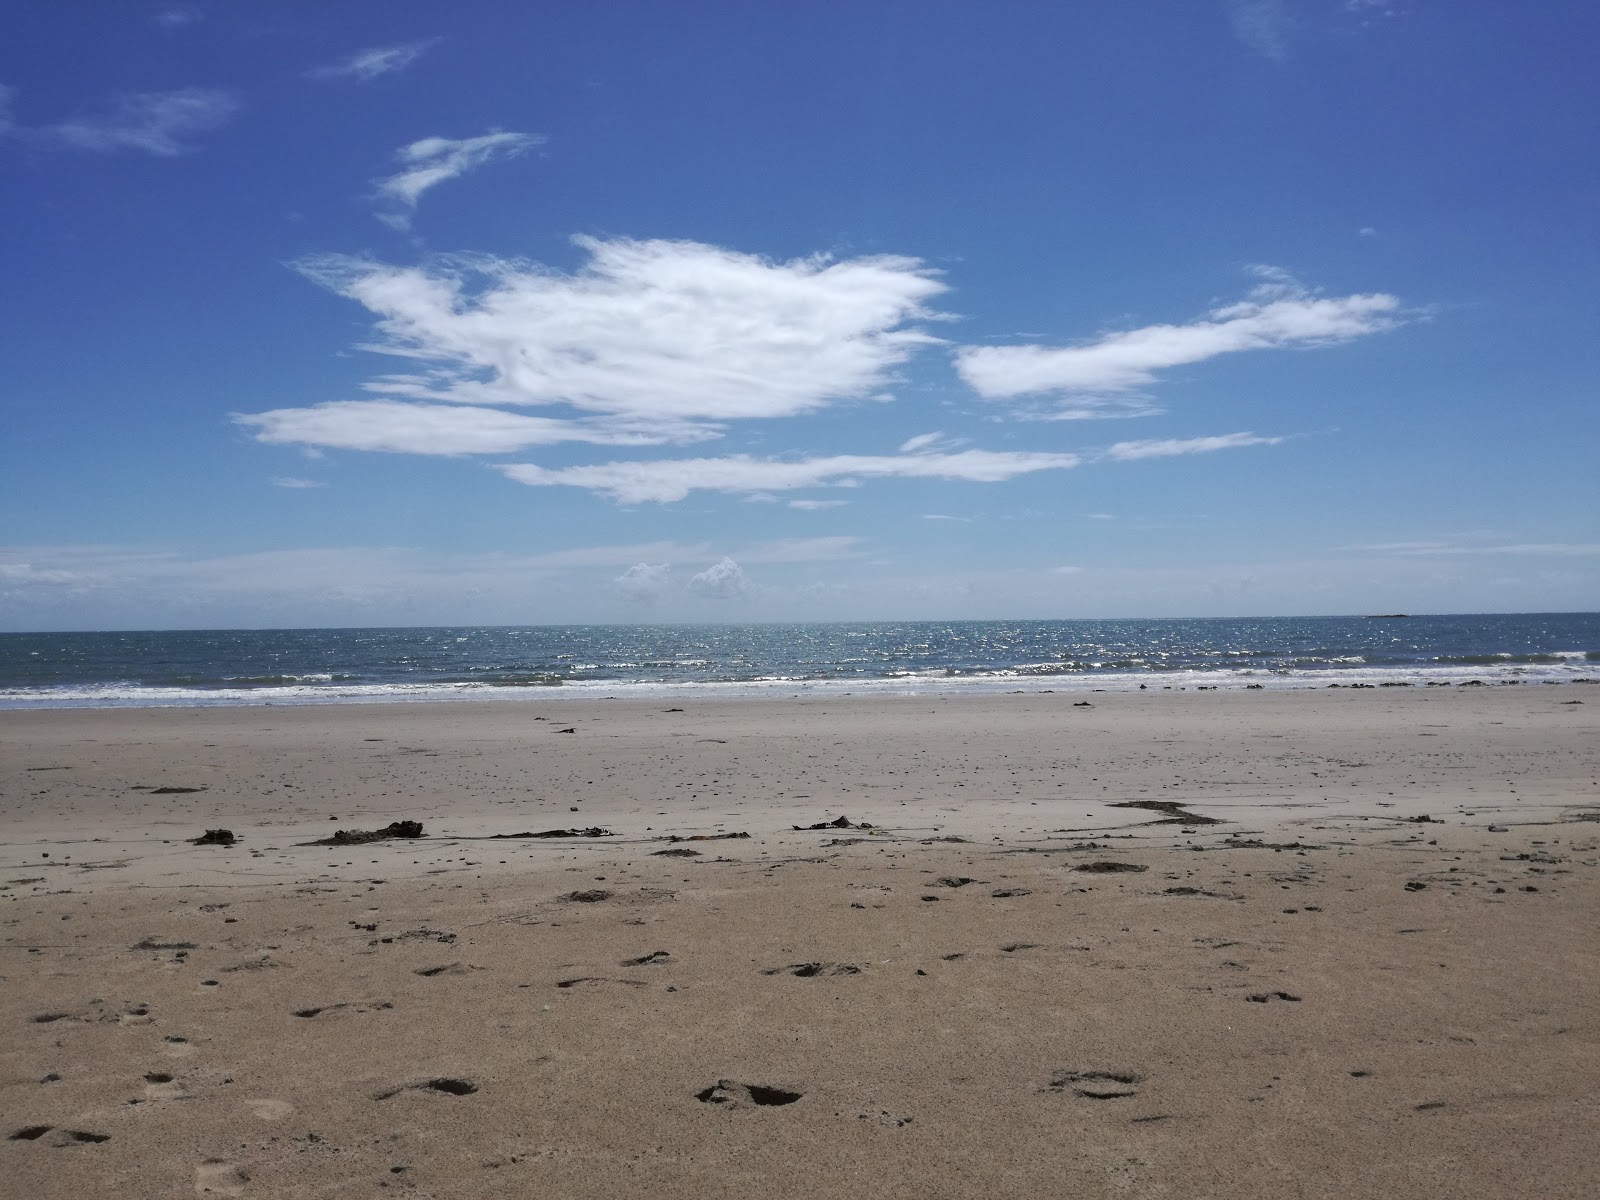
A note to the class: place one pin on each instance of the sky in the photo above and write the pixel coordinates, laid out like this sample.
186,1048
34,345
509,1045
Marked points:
498,313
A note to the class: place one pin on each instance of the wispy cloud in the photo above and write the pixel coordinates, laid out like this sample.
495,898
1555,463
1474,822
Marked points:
1516,549
944,517
651,341
432,161
39,584
1262,25
779,550
401,427
160,123
366,65
931,441
666,480
296,483
1169,447
1113,370
178,16
816,505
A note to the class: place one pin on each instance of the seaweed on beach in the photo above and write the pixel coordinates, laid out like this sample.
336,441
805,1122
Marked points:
214,837
1110,868
1176,814
837,823
593,831
360,837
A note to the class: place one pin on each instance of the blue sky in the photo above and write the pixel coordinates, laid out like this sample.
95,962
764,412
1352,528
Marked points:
500,313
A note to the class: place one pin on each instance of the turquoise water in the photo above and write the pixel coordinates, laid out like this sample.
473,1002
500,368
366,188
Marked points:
209,667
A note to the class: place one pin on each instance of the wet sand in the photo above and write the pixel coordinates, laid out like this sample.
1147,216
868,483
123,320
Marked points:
1269,977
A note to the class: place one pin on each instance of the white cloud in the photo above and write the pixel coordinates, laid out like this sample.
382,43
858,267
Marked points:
1112,370
177,16
651,335
921,442
723,580
55,587
119,587
449,429
1262,25
1367,231
156,122
22,574
816,505
780,550
1169,447
665,480
1530,549
367,65
943,517
435,160
290,481
643,583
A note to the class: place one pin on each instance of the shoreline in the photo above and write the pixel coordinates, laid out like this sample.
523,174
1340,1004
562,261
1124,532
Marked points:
916,685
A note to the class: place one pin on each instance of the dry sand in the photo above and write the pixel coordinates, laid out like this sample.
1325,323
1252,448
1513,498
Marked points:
1320,994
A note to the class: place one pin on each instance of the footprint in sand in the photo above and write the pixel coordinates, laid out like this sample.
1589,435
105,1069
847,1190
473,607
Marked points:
159,1085
58,1137
217,1177
1095,1085
745,1095
648,960
329,1009
444,1085
269,1110
177,1047
597,979
810,970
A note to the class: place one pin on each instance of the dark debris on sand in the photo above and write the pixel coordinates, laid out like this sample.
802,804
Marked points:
360,837
214,837
739,1095
1176,814
1110,868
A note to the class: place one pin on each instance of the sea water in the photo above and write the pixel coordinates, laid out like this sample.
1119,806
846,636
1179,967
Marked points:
299,666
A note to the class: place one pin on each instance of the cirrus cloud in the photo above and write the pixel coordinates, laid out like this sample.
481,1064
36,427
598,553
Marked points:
434,160
445,429
1106,376
666,480
366,65
159,123
1170,447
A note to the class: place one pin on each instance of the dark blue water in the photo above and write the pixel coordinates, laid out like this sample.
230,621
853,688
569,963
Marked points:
44,670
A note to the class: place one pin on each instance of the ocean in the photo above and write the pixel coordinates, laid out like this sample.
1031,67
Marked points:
318,666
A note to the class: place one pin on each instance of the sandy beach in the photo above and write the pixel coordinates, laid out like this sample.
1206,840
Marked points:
1233,943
